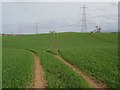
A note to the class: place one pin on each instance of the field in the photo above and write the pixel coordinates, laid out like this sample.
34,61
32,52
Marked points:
97,56
0,62
93,53
59,75
17,67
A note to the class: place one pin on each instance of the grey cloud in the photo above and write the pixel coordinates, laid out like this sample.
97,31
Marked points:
59,16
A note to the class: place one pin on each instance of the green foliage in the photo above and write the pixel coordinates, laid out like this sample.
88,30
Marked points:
94,53
0,62
18,66
41,41
60,75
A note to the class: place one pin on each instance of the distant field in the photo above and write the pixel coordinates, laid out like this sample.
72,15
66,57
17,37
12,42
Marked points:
95,54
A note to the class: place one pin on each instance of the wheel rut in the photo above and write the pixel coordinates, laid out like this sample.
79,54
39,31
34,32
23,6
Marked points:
91,81
39,81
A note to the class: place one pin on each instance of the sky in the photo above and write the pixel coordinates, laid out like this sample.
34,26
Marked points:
25,17
59,0
0,17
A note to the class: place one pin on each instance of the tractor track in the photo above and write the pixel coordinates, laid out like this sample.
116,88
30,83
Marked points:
39,81
91,80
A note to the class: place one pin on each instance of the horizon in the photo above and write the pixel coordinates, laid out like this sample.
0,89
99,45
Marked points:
56,32
62,17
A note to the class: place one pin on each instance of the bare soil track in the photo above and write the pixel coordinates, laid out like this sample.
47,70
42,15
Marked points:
91,81
39,81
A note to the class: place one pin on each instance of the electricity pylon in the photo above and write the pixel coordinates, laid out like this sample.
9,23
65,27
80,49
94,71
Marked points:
54,41
36,27
84,23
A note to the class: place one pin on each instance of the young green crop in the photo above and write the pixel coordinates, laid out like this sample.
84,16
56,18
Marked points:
41,41
60,75
17,68
96,54
0,62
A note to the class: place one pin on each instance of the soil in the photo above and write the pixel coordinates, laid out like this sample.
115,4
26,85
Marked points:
39,81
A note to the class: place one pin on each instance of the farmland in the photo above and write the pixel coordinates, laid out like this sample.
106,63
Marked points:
17,67
96,54
0,62
59,75
96,57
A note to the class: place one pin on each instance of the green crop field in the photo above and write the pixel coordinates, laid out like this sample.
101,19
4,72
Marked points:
0,62
18,66
60,75
94,53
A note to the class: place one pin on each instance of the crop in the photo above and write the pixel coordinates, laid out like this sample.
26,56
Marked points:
93,53
0,62
96,54
60,75
17,68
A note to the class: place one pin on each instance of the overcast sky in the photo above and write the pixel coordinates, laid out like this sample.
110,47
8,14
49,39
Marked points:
59,16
